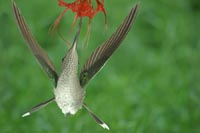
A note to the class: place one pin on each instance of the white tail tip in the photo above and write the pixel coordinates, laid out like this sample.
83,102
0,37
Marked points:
26,114
105,126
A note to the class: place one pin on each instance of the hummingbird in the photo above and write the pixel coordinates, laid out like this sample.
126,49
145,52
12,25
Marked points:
69,86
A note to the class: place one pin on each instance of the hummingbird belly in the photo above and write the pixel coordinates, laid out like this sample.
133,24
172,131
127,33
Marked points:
69,96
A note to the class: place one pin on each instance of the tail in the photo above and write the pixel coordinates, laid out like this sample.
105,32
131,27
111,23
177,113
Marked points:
98,120
38,107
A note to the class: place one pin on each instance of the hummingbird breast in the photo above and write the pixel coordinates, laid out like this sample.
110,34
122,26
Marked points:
69,95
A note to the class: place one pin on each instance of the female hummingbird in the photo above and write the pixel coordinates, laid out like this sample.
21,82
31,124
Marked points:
69,87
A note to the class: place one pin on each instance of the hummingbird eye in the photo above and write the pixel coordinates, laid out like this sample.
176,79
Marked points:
63,59
84,78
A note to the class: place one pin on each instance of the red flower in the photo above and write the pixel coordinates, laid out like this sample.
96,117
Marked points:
82,8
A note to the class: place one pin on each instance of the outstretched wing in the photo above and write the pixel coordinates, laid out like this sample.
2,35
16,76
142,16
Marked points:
38,52
103,53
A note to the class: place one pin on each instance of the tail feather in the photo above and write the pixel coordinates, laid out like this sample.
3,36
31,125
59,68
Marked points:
38,107
98,120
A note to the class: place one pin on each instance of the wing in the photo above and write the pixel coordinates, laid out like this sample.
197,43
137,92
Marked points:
99,57
38,52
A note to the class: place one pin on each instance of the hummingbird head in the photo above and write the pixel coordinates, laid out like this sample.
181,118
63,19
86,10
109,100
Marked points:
72,55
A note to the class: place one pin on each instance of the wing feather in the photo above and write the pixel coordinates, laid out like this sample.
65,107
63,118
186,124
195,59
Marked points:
99,57
38,52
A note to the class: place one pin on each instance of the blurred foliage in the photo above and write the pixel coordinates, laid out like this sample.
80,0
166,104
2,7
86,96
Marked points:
151,84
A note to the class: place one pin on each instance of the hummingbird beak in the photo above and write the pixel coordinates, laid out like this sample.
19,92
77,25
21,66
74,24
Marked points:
77,34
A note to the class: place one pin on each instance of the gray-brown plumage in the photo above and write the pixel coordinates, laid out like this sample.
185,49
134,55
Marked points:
69,87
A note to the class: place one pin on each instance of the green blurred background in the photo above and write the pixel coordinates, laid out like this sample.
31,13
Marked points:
150,85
